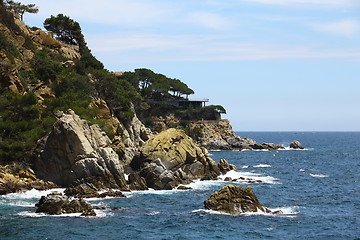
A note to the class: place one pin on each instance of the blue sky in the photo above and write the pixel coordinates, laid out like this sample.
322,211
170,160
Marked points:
275,65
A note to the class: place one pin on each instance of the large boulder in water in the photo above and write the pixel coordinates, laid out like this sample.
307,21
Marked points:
171,158
56,204
234,200
296,145
76,150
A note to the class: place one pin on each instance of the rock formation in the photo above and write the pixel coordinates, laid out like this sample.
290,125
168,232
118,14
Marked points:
234,200
171,158
218,134
20,180
56,204
296,145
128,137
76,150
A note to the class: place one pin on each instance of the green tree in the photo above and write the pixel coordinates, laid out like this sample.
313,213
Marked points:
19,8
65,29
69,31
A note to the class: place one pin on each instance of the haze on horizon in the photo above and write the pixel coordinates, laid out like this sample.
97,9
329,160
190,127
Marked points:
275,65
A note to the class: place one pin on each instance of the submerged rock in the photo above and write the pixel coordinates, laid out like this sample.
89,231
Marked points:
296,145
57,203
234,200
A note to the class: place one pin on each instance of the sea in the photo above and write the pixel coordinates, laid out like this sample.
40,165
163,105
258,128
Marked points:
317,189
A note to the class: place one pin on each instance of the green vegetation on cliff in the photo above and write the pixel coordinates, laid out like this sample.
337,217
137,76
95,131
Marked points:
38,78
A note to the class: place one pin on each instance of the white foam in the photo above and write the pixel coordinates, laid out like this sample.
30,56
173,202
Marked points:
249,176
289,212
33,193
99,214
150,191
263,166
295,149
245,167
319,175
153,213
302,170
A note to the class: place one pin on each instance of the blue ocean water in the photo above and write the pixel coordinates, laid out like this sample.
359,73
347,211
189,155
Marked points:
317,189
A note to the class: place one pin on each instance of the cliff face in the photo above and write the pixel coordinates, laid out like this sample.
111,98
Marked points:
218,135
75,150
18,46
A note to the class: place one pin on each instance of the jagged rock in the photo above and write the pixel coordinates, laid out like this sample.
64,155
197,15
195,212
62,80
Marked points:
296,145
267,146
171,158
234,200
128,137
225,167
46,39
57,203
136,182
11,182
76,150
184,188
217,135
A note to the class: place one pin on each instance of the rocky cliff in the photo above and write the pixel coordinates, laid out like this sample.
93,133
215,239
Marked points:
21,43
76,150
218,134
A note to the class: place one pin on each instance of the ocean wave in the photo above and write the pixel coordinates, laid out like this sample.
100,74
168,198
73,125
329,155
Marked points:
249,176
289,212
263,166
319,175
33,193
99,214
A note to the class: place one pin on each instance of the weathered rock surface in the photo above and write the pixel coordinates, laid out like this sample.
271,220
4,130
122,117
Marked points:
19,181
75,150
218,134
266,146
234,200
296,145
127,137
57,203
171,158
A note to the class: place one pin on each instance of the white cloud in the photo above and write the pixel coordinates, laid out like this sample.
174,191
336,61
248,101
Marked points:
347,28
163,48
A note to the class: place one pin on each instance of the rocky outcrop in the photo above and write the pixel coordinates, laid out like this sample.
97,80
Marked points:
20,180
89,190
127,137
266,146
56,204
234,200
218,134
76,150
296,145
171,158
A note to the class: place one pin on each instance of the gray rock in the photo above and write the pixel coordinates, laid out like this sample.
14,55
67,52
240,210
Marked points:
56,204
296,145
234,200
172,158
76,150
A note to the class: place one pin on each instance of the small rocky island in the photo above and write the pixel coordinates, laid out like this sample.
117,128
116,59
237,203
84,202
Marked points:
235,200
